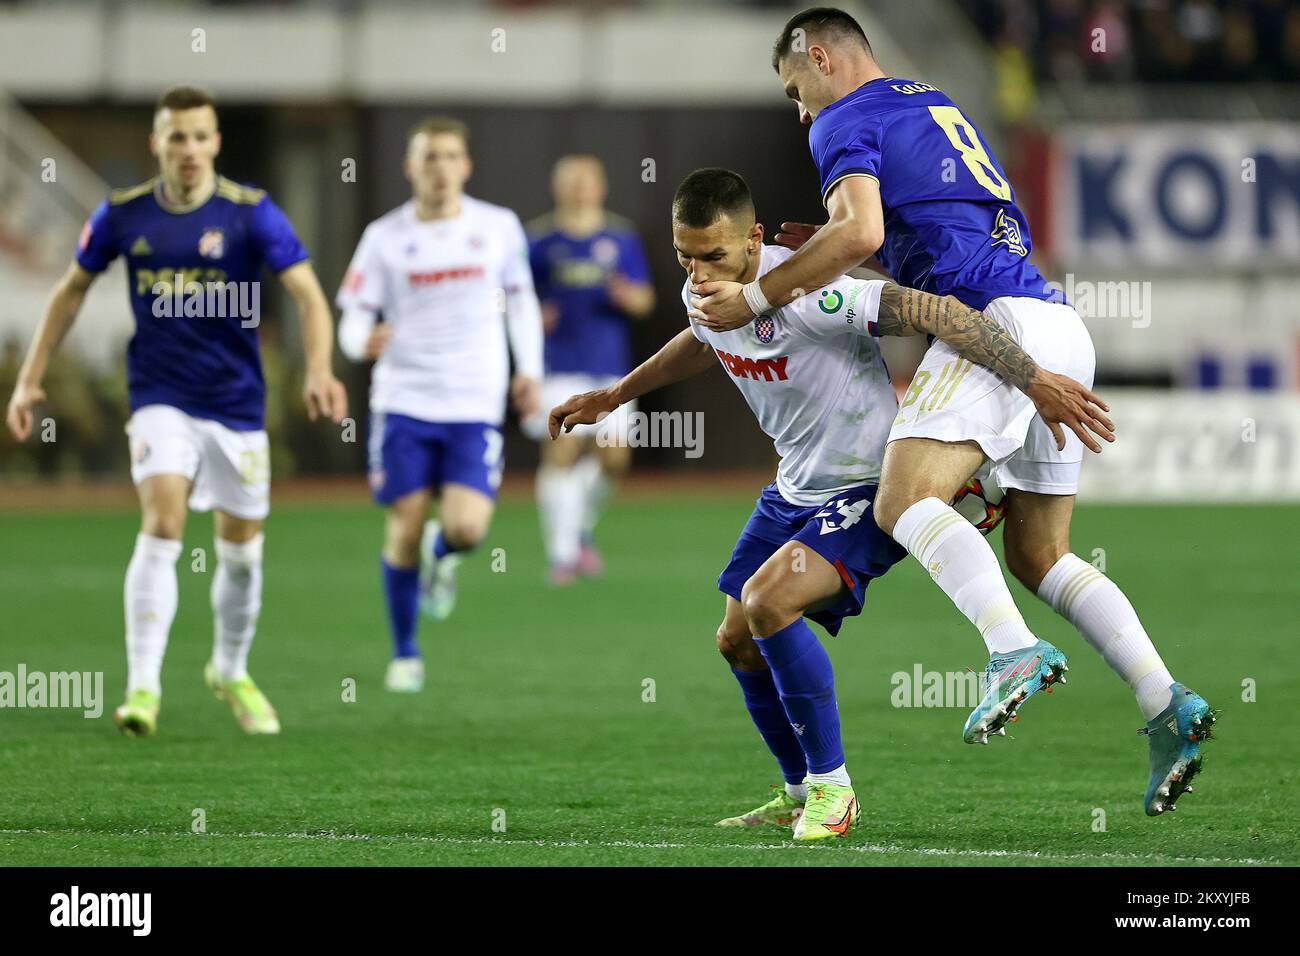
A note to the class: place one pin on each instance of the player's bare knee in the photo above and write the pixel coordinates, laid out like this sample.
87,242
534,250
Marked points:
463,534
1029,563
764,608
738,649
161,524
889,507
402,543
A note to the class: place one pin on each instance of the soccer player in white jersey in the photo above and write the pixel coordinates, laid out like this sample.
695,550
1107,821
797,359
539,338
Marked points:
196,388
877,140
813,375
438,270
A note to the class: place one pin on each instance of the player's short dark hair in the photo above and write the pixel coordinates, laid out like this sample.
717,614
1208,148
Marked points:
185,98
440,124
707,195
819,21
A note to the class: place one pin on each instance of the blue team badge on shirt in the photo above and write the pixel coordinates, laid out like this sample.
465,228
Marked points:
212,244
765,329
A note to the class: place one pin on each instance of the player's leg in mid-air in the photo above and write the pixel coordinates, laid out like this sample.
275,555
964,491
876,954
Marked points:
464,516
790,562
953,419
1037,542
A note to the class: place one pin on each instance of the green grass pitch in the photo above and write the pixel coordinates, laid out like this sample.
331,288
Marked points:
534,715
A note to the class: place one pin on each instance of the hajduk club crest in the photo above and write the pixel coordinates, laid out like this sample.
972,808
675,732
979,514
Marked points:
765,329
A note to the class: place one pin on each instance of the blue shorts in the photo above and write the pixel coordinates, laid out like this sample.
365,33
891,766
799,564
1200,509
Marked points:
406,454
843,531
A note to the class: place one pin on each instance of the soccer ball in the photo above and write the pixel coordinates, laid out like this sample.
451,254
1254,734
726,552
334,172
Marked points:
982,502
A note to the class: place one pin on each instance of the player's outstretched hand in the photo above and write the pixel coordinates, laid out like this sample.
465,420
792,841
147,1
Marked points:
19,415
794,234
1061,400
324,395
585,409
719,306
526,394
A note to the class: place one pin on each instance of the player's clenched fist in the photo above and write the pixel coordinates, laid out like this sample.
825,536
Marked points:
19,414
585,409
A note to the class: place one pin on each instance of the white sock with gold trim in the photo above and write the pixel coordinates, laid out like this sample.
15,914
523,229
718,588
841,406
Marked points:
961,562
1098,608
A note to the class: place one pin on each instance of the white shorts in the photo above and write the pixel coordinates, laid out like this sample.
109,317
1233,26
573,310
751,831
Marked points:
231,470
559,388
952,400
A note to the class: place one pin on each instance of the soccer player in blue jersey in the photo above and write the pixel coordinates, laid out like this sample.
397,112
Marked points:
906,177
195,245
592,278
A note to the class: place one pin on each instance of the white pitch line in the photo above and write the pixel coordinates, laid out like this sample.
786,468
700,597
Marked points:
873,848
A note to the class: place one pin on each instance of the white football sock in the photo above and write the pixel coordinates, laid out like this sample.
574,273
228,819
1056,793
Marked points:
839,776
150,600
797,791
560,504
236,601
1098,608
596,490
961,562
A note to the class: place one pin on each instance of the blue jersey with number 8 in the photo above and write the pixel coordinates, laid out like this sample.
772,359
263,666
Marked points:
952,226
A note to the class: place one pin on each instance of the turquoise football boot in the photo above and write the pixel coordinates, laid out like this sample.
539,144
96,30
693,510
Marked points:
1009,680
1174,737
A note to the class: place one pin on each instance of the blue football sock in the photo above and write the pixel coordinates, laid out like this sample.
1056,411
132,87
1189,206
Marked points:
402,594
802,673
764,704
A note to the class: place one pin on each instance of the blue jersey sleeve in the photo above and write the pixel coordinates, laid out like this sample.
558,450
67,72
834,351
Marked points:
97,246
632,260
273,237
844,145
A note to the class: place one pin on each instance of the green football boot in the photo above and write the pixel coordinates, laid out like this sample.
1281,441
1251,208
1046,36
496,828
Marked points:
829,811
1174,739
138,717
251,708
782,811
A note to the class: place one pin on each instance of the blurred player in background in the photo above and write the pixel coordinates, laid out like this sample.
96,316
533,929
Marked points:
592,278
879,143
438,269
196,388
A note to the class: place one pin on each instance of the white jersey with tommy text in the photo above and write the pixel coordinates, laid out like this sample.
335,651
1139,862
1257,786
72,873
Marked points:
813,374
454,292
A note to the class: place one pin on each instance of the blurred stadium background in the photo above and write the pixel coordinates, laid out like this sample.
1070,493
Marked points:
1154,145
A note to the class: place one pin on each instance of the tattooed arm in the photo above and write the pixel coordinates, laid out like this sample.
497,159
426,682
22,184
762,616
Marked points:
979,339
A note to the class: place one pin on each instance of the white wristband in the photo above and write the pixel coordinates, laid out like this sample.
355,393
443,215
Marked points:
753,294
